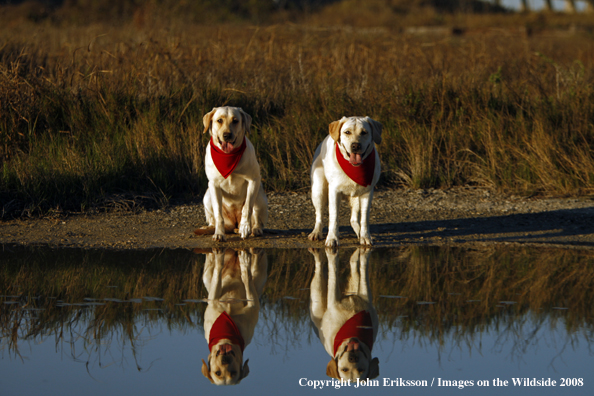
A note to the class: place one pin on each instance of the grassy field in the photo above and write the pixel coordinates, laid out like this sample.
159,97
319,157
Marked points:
94,113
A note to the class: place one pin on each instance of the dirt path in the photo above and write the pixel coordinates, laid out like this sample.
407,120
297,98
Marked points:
460,216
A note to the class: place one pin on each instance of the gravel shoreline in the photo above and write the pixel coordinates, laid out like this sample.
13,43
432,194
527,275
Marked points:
460,216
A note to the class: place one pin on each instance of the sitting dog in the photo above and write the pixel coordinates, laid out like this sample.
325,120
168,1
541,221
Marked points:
346,163
234,282
235,197
346,325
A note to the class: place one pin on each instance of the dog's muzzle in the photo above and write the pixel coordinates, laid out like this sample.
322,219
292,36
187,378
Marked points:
355,157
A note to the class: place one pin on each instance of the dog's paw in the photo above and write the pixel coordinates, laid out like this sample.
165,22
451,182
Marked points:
331,251
315,252
332,242
315,236
366,240
218,250
365,250
257,232
245,230
219,238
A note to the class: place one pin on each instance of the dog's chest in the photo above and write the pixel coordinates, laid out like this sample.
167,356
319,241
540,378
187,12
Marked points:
341,183
233,186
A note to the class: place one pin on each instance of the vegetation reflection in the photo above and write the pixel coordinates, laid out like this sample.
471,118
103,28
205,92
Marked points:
449,297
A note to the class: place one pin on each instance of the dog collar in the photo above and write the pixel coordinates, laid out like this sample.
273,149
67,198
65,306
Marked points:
226,162
358,326
362,174
224,328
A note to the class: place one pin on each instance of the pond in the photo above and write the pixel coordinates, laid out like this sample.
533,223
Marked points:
439,320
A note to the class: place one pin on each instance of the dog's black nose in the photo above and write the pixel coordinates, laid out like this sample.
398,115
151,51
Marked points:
355,147
227,136
353,359
226,359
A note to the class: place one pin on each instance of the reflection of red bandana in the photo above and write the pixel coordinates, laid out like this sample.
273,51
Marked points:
357,326
362,174
224,328
226,162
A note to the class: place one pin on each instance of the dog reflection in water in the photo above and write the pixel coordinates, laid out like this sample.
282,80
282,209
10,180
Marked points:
234,281
346,323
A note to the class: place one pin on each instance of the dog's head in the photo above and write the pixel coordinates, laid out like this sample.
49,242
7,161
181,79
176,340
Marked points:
225,364
227,126
356,136
353,360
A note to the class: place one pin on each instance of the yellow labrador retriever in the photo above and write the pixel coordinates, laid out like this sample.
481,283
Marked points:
346,164
235,198
346,324
234,281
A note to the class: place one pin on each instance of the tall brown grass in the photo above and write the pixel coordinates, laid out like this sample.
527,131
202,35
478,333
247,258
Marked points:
89,113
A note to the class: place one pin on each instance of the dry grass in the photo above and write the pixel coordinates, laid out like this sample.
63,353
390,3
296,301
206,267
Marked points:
101,111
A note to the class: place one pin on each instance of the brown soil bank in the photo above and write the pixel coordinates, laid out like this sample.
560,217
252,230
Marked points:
459,216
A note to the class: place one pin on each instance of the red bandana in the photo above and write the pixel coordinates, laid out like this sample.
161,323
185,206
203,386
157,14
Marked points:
226,162
362,174
224,328
358,326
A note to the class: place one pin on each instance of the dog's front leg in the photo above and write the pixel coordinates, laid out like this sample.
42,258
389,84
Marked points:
216,198
365,200
245,226
364,289
333,289
333,202
318,294
214,292
353,284
245,264
319,198
355,209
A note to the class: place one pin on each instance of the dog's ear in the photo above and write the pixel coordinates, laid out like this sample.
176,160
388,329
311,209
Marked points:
373,368
332,369
207,119
245,370
376,130
246,121
334,128
206,371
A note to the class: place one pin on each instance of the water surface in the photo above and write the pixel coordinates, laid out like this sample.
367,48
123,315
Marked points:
121,323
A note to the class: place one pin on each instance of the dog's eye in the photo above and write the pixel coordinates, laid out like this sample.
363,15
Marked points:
345,370
347,132
235,121
220,120
218,373
363,132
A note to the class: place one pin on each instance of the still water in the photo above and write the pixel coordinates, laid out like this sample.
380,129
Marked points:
440,321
